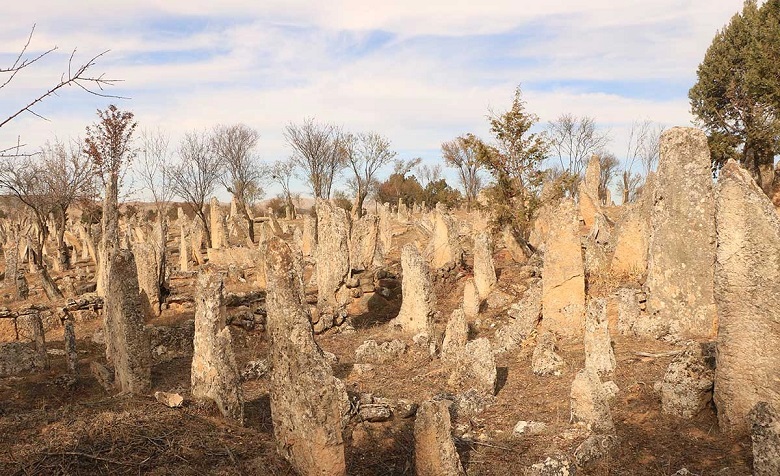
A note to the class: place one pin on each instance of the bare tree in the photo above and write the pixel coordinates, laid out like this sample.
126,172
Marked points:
154,168
69,176
76,75
281,173
609,170
643,147
196,175
366,154
234,146
461,153
109,144
428,173
318,152
574,140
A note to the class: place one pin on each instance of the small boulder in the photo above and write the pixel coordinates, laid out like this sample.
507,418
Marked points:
171,400
545,361
370,352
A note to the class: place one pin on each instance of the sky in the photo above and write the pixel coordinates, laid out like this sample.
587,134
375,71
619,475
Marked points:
419,73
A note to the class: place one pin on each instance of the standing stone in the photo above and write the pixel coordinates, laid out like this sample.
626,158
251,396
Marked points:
456,335
545,359
563,275
444,248
185,247
680,273
589,402
11,252
214,374
686,388
332,254
385,228
599,355
589,192
417,299
484,269
364,240
127,344
748,294
471,300
632,234
434,449
146,259
309,406
309,236
765,434
69,335
475,368
34,323
217,225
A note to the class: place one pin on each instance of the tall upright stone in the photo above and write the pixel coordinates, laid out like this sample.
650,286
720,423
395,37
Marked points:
150,260
11,253
484,268
563,274
214,374
185,243
309,406
434,449
632,234
589,192
385,228
364,243
599,355
309,235
444,247
217,225
417,299
332,254
127,344
748,296
680,272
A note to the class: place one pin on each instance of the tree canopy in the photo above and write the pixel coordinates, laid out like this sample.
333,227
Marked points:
737,96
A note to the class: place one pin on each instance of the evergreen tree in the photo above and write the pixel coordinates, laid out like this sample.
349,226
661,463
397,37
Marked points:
737,96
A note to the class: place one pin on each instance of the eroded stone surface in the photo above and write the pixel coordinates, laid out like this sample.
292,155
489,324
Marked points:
545,360
434,449
308,404
475,368
456,335
765,434
214,373
418,301
748,294
589,402
484,269
599,355
686,388
680,273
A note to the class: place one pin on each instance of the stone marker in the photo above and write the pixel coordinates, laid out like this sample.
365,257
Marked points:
217,225
563,275
418,301
599,355
214,373
456,335
765,434
680,271
484,269
545,360
589,402
475,368
748,295
434,449
686,388
127,343
589,192
471,300
309,405
332,255
444,249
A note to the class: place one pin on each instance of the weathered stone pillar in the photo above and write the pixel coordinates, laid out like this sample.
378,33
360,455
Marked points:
214,373
589,192
34,324
484,269
434,449
127,343
444,247
748,295
599,355
364,241
217,218
309,235
680,270
69,334
309,405
332,256
418,301
563,274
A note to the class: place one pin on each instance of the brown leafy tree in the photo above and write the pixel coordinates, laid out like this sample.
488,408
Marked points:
109,143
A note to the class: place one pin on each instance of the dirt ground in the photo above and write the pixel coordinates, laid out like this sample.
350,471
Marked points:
50,424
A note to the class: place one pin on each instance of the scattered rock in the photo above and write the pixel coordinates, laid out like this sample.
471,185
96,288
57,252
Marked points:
172,400
255,370
686,388
370,352
374,412
594,448
529,428
552,467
